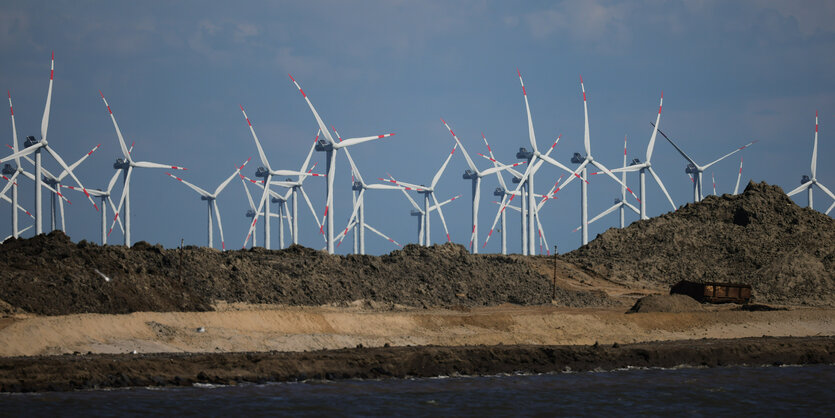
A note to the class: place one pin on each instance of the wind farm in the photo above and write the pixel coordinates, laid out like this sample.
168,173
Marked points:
656,206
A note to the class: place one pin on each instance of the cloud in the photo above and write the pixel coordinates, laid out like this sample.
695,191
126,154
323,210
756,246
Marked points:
589,22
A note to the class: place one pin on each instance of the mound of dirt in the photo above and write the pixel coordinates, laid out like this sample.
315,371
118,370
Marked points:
760,237
49,274
666,303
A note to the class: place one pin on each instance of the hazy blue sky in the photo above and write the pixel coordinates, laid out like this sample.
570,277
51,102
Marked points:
175,72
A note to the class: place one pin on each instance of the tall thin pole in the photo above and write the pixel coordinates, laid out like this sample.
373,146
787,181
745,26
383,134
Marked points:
584,212
295,215
331,155
209,205
38,197
524,204
554,296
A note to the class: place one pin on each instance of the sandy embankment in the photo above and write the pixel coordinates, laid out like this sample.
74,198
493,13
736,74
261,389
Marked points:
253,328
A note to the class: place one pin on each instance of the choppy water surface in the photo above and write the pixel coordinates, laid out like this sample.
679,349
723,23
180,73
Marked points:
783,391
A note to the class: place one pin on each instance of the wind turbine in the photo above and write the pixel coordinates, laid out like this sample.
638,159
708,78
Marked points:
126,165
267,173
357,219
738,177
331,147
15,207
297,188
643,167
475,175
105,196
211,200
808,183
283,213
55,182
420,213
428,192
32,145
621,203
695,168
584,162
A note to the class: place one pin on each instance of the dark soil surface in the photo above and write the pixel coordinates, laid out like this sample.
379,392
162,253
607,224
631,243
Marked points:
666,303
51,275
760,237
58,373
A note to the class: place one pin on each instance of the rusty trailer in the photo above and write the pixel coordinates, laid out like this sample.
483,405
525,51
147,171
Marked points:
713,292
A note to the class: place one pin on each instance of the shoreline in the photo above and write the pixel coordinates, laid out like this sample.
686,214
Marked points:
100,371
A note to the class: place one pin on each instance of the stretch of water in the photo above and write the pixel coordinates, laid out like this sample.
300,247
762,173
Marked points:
770,391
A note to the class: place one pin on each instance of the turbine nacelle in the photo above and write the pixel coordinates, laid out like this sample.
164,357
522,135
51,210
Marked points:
635,161
499,191
524,154
261,172
577,158
805,179
469,174
416,213
250,213
356,186
515,180
121,164
323,145
617,200
9,169
204,198
691,169
30,141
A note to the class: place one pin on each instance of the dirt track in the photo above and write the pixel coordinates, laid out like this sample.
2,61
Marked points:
24,374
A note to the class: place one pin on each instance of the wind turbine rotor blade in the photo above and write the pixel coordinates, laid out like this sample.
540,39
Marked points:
830,208
146,164
45,119
800,188
77,163
605,212
404,185
825,190
232,176
310,153
248,195
614,177
531,134
72,175
575,173
443,167
125,151
382,187
374,230
730,153
683,154
463,150
502,206
22,153
441,214
322,126
738,176
118,210
444,203
651,145
630,206
219,227
815,148
354,141
661,185
586,137
555,163
354,169
354,212
501,168
264,197
189,185
257,142
113,181
312,210
14,129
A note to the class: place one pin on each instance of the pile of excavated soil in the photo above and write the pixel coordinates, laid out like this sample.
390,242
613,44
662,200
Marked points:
760,237
666,303
51,275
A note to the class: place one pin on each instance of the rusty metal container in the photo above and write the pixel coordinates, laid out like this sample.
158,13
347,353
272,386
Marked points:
713,292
